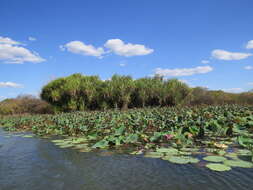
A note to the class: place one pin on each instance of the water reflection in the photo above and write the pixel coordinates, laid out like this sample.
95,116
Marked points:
37,164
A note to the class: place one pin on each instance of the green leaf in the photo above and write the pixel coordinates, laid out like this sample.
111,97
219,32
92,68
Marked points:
156,136
218,167
232,155
101,144
181,159
244,152
132,138
120,131
168,151
238,163
153,155
214,158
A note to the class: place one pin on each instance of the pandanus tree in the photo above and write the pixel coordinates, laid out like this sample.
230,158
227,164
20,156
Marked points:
119,90
78,92
148,92
53,93
142,94
90,89
175,92
71,89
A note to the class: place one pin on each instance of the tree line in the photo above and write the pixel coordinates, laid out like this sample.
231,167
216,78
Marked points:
78,93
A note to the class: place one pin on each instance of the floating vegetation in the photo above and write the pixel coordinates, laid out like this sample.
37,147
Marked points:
232,155
86,149
137,152
215,158
216,133
244,152
238,163
154,155
168,151
222,152
218,167
181,159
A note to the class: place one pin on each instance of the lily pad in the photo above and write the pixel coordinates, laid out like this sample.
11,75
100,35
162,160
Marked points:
58,141
215,158
231,155
80,146
168,151
218,167
238,163
79,140
153,155
137,152
181,159
222,152
85,150
66,146
184,153
189,149
244,152
64,143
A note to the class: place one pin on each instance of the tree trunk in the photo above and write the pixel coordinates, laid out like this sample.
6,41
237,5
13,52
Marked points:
115,106
125,106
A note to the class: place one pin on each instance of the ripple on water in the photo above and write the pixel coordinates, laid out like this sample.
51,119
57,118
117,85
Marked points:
30,163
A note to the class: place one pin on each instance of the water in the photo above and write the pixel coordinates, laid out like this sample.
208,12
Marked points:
37,164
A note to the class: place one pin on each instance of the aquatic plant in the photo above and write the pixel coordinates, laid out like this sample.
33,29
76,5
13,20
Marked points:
157,132
218,167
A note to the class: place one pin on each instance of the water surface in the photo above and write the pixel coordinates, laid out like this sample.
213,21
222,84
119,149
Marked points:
37,164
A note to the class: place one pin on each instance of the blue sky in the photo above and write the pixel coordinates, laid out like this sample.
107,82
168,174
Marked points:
204,43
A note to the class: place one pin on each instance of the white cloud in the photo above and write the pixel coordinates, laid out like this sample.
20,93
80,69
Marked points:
183,71
205,61
250,83
122,64
226,55
118,47
12,52
249,45
6,40
10,85
248,67
16,54
233,90
31,38
79,47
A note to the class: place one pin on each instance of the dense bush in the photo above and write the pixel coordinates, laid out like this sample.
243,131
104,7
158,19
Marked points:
24,104
78,92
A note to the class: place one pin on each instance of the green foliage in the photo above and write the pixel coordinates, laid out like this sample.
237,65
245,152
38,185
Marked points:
178,127
215,158
182,160
173,134
238,163
79,93
218,167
